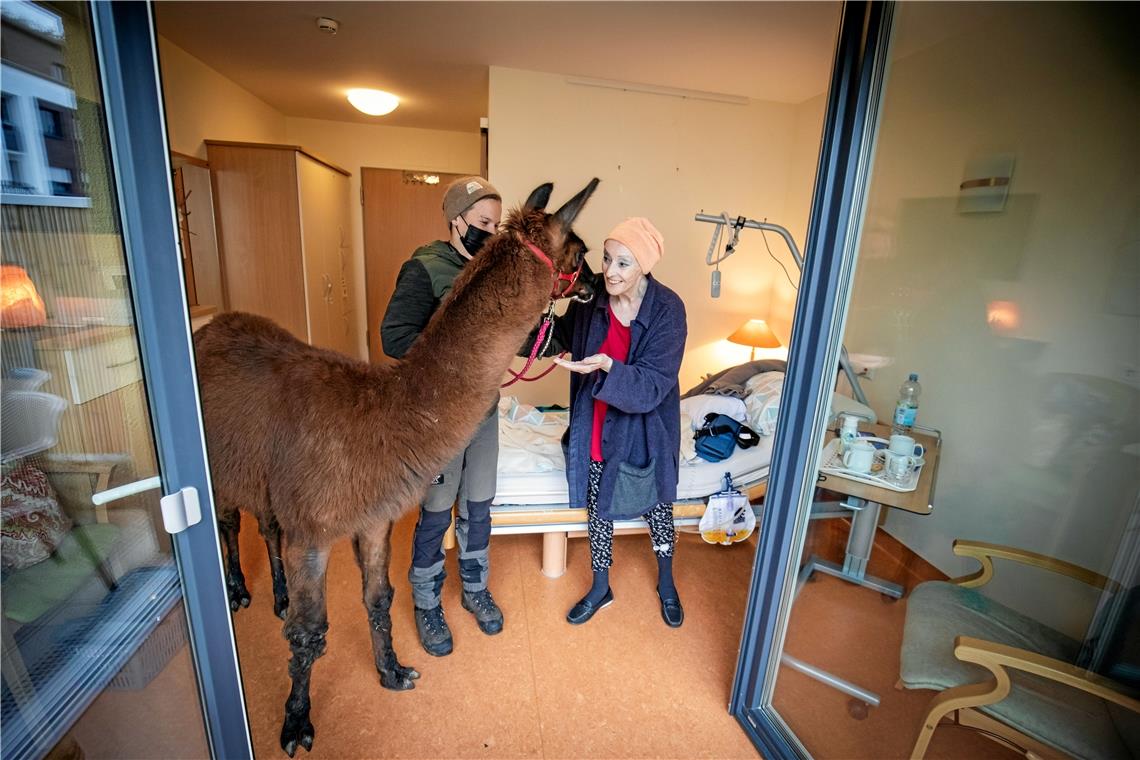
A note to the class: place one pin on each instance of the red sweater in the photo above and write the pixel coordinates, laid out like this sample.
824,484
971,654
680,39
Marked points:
615,346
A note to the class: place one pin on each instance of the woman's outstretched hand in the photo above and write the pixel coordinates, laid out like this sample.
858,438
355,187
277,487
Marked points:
588,364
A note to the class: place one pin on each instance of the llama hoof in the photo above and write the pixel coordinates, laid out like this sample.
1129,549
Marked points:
399,678
281,607
296,731
239,594
238,598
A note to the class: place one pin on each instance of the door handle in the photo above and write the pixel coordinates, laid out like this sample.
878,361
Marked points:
180,509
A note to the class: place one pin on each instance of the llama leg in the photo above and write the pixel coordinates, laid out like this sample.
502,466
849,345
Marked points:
373,554
306,624
229,523
271,532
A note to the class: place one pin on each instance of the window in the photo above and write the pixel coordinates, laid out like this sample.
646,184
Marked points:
51,122
60,180
11,133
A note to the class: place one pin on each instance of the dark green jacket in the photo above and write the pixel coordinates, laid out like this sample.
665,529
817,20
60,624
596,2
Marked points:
423,282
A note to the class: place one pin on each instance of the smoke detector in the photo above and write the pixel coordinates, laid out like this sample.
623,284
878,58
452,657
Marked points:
328,25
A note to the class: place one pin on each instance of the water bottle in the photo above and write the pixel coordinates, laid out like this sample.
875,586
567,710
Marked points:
906,408
848,432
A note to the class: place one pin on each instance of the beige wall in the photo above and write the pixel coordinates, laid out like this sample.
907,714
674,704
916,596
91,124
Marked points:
201,103
353,146
664,158
1028,458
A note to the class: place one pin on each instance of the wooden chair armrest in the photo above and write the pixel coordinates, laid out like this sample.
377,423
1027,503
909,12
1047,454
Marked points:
997,657
985,553
98,468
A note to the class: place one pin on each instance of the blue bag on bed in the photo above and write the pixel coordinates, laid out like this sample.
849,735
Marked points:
719,436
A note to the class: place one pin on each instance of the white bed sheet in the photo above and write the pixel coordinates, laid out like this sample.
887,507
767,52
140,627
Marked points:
532,470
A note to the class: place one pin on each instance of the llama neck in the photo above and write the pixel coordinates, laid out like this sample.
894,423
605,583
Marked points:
462,354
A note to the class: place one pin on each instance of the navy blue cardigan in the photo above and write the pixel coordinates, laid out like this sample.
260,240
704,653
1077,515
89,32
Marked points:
642,429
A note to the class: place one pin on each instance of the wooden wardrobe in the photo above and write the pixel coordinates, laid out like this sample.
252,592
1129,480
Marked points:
282,219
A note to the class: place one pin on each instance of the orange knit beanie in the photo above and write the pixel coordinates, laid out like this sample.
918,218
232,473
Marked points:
642,239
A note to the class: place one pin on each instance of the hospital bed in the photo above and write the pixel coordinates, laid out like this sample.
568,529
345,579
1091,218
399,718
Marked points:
532,494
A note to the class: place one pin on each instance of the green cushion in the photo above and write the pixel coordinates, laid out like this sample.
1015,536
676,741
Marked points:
31,592
1067,719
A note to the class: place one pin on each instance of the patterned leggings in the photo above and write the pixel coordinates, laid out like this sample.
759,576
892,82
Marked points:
601,531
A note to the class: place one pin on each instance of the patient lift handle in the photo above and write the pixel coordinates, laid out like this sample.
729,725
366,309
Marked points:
740,222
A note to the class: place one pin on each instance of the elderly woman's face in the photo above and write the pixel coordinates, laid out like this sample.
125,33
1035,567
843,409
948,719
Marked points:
620,269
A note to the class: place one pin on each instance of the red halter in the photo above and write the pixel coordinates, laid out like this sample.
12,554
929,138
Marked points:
560,277
544,334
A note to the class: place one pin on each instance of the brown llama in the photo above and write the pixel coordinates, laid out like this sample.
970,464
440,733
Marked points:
319,447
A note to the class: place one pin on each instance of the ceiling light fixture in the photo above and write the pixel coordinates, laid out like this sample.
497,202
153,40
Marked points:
373,102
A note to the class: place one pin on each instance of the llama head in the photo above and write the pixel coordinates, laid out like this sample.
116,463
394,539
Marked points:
554,236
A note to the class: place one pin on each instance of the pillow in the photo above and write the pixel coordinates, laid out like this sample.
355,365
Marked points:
763,401
32,524
698,406
688,442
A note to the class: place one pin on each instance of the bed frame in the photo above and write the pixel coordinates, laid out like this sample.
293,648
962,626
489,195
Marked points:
559,522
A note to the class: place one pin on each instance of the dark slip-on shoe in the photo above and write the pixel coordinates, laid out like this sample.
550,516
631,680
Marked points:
672,612
584,609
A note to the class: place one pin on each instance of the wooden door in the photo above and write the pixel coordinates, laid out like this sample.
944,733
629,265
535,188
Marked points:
324,228
401,213
259,231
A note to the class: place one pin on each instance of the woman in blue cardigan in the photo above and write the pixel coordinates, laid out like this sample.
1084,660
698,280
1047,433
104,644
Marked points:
625,415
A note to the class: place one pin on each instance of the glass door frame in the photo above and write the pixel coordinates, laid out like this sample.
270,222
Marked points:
126,46
834,227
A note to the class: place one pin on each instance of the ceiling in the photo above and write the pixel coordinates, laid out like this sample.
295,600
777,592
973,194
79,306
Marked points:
435,55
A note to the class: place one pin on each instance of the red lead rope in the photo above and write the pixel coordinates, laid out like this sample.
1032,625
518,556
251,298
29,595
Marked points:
543,338
540,343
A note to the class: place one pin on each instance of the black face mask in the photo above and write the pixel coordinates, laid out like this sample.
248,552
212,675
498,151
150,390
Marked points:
474,238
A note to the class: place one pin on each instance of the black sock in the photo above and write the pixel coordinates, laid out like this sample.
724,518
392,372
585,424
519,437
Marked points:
665,587
600,586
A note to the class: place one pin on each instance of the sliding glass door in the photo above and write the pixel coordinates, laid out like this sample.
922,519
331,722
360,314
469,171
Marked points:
116,635
975,233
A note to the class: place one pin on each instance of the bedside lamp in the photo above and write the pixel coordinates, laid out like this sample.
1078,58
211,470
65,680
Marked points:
756,334
20,304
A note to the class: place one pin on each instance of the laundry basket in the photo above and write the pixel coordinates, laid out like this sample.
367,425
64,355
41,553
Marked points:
155,653
30,422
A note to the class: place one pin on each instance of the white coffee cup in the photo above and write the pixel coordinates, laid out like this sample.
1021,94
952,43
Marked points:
904,444
859,457
903,455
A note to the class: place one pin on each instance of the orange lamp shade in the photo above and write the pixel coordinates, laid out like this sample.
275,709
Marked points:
20,304
755,333
1003,317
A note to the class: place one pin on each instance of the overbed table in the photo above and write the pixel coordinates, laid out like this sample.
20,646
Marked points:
864,503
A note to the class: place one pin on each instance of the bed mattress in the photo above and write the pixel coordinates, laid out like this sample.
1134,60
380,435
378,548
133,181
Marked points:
532,470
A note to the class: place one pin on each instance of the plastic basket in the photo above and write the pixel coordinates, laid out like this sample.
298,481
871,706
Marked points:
159,648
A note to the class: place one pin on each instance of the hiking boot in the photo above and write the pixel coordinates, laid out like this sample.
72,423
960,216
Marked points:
433,631
487,613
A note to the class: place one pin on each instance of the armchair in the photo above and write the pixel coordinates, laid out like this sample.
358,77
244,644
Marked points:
1008,675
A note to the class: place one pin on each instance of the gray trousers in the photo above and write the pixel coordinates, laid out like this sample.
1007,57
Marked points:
470,479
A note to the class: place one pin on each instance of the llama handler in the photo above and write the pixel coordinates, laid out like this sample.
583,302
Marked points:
472,208
625,414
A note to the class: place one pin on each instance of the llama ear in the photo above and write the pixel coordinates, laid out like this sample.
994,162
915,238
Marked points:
539,197
569,212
